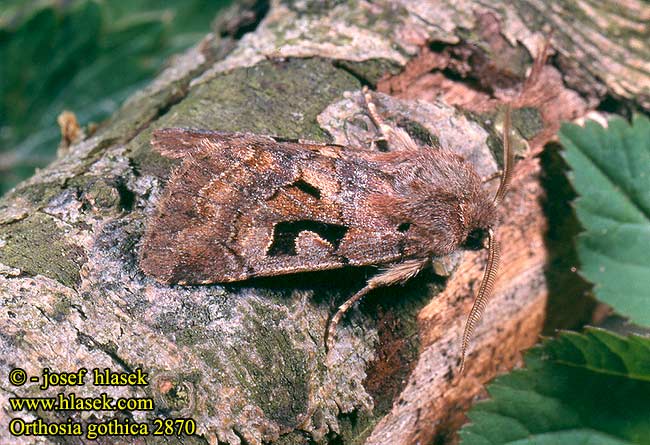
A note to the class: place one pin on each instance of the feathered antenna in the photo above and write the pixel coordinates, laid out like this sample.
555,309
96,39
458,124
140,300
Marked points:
490,274
508,158
483,295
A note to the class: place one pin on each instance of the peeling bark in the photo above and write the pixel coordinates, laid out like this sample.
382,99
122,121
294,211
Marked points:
247,361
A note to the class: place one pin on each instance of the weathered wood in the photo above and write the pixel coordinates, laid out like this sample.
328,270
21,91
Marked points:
247,361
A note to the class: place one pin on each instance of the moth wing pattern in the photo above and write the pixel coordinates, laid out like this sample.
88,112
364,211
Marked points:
242,205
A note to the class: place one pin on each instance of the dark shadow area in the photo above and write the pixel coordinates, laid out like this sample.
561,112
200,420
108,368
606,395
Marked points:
331,287
614,105
570,303
243,18
396,308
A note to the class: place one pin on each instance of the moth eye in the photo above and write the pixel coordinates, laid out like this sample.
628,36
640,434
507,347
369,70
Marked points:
286,232
306,187
404,227
475,239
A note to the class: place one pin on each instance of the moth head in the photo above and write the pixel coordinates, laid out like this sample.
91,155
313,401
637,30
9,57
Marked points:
477,216
484,214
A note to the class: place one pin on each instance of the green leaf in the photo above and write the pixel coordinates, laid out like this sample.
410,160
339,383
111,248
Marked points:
611,174
86,56
591,388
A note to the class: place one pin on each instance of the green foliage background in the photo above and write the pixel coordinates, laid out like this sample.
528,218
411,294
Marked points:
85,56
611,174
591,388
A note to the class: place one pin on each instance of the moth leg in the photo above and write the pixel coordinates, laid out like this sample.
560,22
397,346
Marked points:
492,177
397,273
397,138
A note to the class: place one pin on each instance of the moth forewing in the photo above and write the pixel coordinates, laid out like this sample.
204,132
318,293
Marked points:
242,206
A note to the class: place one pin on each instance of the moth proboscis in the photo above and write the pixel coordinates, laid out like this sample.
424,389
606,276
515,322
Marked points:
242,205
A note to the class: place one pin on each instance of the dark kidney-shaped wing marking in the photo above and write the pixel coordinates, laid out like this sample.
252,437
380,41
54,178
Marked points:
243,205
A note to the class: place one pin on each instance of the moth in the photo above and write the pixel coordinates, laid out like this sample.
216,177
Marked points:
243,205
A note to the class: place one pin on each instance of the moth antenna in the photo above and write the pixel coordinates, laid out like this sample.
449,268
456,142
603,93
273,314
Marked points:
508,157
484,292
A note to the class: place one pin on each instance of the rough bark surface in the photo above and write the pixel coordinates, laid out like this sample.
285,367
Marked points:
247,362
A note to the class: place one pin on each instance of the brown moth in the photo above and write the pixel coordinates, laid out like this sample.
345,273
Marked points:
268,206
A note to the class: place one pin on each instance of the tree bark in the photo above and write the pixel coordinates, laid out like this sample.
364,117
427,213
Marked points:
247,361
